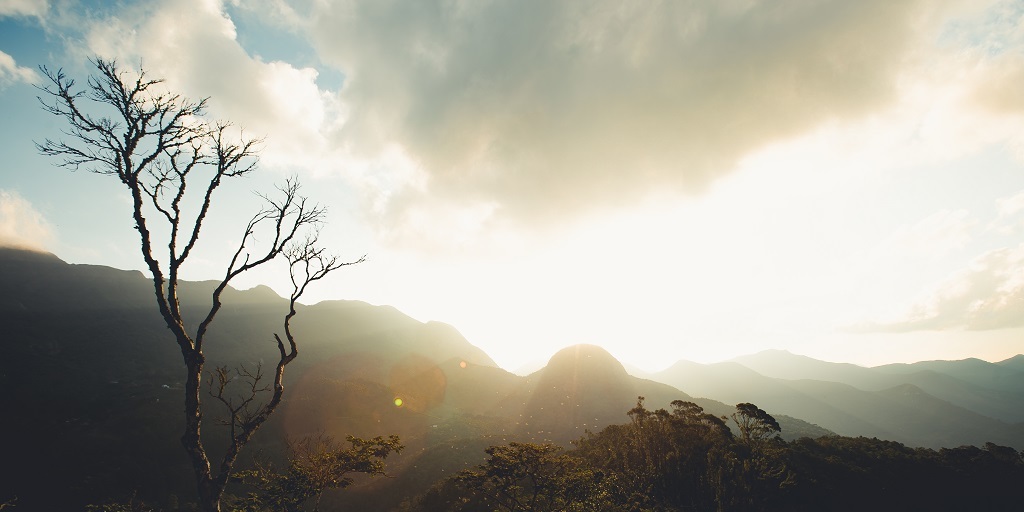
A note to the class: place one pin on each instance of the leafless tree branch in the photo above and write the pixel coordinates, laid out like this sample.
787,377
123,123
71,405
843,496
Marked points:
167,154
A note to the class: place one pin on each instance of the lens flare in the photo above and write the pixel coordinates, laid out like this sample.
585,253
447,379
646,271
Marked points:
399,401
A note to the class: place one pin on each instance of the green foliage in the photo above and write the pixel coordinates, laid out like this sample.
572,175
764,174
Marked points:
657,457
519,477
754,475
756,426
847,474
689,460
528,477
317,464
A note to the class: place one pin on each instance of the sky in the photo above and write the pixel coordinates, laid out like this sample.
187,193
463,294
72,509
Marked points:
668,180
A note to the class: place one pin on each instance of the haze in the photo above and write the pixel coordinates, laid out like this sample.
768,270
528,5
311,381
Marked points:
675,181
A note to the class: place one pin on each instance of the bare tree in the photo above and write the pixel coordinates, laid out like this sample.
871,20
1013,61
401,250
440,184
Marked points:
172,160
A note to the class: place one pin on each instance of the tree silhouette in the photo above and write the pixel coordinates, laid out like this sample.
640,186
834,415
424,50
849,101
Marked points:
528,476
755,425
661,458
753,474
172,160
316,464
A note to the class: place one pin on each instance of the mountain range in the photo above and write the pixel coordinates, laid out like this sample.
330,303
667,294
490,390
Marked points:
92,381
932,404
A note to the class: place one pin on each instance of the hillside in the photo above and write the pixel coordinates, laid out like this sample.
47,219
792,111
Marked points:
93,380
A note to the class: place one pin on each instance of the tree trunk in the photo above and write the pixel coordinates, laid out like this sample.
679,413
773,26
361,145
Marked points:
209,496
209,490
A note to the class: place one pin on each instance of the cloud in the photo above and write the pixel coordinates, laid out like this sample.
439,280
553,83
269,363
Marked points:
36,8
999,91
21,225
203,58
989,294
553,107
535,113
1009,215
12,73
931,238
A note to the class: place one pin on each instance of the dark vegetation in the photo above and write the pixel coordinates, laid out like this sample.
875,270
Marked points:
316,464
687,459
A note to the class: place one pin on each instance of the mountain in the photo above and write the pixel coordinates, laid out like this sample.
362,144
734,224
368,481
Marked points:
1016,362
990,389
980,373
734,383
581,388
92,378
783,364
918,406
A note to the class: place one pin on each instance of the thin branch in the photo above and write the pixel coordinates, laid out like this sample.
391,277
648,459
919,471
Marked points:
286,216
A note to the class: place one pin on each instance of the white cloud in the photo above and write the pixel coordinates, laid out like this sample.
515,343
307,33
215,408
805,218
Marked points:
36,8
1010,215
278,13
203,58
1011,206
11,72
989,294
931,238
21,225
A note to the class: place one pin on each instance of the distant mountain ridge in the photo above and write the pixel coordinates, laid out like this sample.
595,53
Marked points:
993,389
1016,362
932,403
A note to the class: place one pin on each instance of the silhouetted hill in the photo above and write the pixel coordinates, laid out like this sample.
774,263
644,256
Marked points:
583,387
92,378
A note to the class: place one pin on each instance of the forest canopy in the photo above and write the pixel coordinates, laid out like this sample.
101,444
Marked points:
686,459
